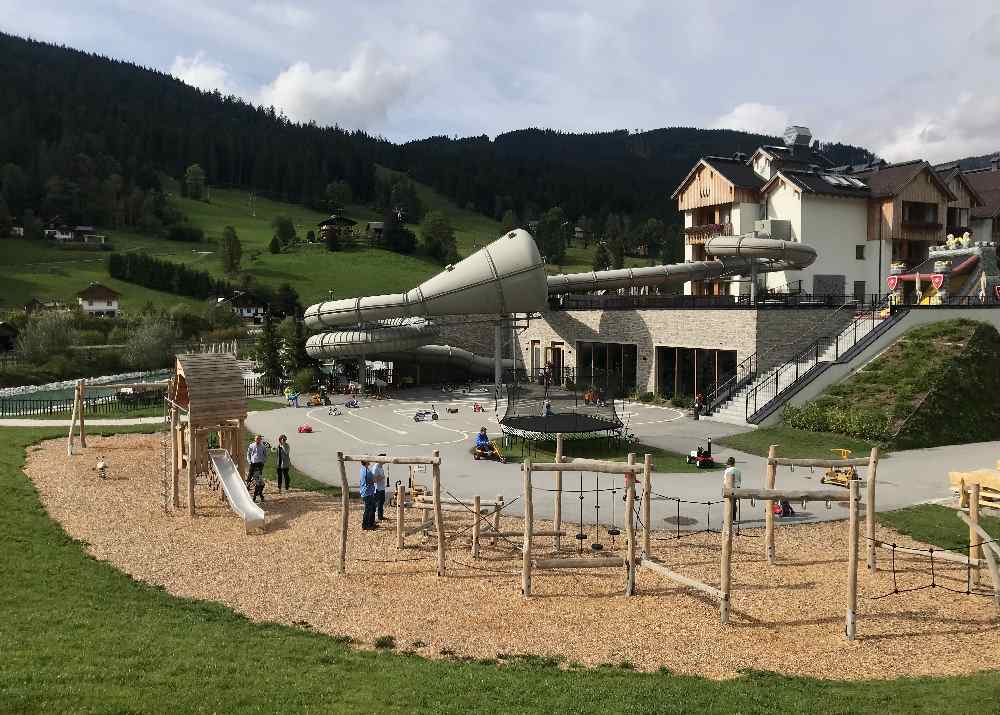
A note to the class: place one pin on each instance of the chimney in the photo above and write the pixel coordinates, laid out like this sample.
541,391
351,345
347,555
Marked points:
739,156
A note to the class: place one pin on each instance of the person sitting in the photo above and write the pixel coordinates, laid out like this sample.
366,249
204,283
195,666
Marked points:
485,449
353,402
588,396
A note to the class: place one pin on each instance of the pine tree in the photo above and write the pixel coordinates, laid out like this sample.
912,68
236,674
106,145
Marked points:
194,179
269,351
601,257
275,245
230,251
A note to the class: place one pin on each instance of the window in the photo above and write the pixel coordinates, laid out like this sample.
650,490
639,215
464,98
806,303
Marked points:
919,212
859,252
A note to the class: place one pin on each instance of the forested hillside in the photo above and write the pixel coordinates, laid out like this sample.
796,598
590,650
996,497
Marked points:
84,138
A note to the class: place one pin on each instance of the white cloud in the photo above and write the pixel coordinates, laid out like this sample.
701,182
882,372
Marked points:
968,126
202,72
754,117
282,13
358,96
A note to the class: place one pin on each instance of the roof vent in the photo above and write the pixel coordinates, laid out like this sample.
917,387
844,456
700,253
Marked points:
798,136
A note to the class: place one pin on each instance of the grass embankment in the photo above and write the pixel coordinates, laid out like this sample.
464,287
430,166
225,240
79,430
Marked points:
78,635
935,385
935,524
796,443
664,461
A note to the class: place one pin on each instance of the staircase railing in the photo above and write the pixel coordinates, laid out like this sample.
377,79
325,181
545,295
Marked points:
845,344
747,371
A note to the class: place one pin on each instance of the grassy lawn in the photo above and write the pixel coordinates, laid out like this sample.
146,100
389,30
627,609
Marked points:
78,635
663,460
796,443
935,524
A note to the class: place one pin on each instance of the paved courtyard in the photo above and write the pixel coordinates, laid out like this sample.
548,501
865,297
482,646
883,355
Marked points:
904,478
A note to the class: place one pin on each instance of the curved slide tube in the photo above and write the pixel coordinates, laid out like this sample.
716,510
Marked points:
235,489
737,254
508,276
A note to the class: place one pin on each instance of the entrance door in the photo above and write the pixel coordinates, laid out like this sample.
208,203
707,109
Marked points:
554,355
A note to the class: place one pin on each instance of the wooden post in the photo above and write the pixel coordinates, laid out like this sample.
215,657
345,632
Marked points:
191,473
975,551
400,514
345,513
496,517
438,516
529,516
727,552
630,529
242,452
475,526
174,459
72,424
852,559
82,387
557,516
870,507
772,471
647,490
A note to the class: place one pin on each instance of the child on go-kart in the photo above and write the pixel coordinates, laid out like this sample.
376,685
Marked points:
485,449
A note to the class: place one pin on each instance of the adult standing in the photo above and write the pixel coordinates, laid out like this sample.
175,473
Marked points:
737,481
367,489
256,458
378,472
284,461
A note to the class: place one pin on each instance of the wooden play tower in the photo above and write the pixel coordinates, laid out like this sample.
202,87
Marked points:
207,389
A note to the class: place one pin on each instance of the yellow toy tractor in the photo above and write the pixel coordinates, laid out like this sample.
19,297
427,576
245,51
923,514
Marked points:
840,475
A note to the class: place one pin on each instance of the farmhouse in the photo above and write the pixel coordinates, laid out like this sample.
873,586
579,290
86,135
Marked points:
97,299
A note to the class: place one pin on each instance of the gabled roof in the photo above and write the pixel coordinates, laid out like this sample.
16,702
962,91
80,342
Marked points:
953,172
820,182
987,184
735,171
97,291
787,156
891,179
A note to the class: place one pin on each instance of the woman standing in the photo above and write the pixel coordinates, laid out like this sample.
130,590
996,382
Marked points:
284,461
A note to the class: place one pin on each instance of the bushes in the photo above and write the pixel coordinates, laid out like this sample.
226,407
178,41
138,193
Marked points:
45,335
683,401
819,416
151,346
185,232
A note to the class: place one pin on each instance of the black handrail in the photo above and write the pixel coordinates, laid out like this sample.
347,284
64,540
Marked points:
846,339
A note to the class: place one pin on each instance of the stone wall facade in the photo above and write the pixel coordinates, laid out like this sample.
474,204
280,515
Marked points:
779,331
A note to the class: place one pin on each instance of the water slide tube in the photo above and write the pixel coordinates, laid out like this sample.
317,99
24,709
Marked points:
508,276
235,489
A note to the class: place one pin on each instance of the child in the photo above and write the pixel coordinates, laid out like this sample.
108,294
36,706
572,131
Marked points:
284,462
258,486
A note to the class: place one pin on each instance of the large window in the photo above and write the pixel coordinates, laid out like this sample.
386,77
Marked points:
691,371
920,212
609,367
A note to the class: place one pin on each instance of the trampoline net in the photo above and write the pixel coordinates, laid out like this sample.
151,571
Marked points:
539,412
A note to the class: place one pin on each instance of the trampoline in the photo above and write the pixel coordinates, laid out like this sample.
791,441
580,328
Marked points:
537,413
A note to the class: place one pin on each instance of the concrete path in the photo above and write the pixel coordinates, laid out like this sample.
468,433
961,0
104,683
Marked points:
904,478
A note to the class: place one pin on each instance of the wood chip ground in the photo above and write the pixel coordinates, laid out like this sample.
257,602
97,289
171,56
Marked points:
786,618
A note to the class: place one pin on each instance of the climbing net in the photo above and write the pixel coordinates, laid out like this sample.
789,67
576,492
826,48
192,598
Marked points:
934,578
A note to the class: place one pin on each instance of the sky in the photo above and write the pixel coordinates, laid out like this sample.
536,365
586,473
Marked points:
905,79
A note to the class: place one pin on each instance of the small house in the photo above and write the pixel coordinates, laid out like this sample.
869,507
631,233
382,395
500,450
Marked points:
373,230
248,308
97,299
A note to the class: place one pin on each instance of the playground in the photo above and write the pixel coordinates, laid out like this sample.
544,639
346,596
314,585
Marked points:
787,617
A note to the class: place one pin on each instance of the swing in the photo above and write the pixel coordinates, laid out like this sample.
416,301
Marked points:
597,545
580,536
613,530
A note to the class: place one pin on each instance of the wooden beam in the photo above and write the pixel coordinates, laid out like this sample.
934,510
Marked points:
657,567
378,459
529,516
647,489
475,528
870,507
852,559
828,463
788,494
345,512
630,526
769,478
598,562
975,551
410,530
438,516
725,562
81,386
491,532
557,517
400,514
585,465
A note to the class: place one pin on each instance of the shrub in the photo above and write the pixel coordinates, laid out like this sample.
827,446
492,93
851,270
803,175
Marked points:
46,334
684,401
304,380
647,397
385,642
150,346
185,232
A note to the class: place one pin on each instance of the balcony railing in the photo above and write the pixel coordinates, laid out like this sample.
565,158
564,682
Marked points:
708,230
764,301
922,225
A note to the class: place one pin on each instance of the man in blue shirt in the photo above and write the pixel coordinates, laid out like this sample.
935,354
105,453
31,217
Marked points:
378,472
367,489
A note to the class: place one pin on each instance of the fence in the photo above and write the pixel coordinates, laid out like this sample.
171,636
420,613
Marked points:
261,387
96,405
764,301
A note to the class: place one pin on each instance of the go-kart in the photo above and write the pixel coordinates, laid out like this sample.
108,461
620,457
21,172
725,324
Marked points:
334,412
425,415
492,452
702,458
305,429
318,399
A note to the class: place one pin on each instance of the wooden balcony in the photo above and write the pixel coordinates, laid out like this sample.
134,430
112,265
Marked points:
699,234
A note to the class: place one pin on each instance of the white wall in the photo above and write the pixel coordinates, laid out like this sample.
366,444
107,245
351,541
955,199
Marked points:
783,202
982,229
835,227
